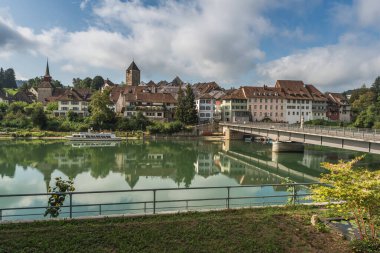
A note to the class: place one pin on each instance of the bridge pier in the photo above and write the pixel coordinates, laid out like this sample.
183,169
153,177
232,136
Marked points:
232,135
278,146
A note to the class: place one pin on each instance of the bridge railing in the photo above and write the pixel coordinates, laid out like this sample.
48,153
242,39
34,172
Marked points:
348,132
157,200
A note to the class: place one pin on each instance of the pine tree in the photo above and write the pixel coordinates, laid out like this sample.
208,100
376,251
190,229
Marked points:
191,116
180,110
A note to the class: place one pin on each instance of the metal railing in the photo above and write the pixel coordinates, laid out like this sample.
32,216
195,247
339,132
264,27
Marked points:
228,197
334,131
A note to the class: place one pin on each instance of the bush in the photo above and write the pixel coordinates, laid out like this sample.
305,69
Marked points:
365,246
166,128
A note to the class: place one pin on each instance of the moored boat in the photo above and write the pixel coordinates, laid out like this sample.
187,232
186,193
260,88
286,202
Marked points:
87,136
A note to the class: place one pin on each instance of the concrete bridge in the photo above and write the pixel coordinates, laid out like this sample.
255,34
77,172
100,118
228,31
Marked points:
285,137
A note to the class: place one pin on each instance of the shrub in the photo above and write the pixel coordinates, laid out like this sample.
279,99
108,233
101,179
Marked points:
365,246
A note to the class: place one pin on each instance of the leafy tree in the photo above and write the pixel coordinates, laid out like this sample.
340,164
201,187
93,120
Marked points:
352,192
72,116
367,118
99,107
56,84
76,82
191,116
138,122
86,83
363,101
39,117
51,106
32,83
9,80
97,83
180,110
17,107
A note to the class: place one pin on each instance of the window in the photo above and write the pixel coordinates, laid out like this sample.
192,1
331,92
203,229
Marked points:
255,107
202,115
75,108
159,114
64,108
208,115
203,108
261,107
64,102
289,113
208,108
74,102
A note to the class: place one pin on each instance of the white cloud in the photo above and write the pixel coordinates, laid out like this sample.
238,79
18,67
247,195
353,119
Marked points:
338,67
83,4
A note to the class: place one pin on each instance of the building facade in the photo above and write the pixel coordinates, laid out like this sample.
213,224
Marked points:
205,105
234,107
133,75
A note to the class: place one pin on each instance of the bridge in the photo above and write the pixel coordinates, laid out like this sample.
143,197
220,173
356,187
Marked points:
287,136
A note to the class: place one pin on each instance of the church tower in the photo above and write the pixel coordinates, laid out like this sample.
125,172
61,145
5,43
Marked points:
133,75
45,89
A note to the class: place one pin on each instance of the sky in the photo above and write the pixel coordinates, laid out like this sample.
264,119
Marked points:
333,44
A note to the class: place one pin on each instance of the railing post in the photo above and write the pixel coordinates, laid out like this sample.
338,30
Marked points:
100,209
71,205
228,197
1,214
154,201
144,207
294,194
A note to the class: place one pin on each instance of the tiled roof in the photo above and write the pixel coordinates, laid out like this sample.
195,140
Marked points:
205,96
337,98
315,93
207,87
115,93
293,89
150,97
151,83
73,94
24,96
262,92
236,94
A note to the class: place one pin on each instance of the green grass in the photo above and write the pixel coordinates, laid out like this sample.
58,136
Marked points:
247,230
10,91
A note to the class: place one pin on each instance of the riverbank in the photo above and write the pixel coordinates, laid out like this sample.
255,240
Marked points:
277,230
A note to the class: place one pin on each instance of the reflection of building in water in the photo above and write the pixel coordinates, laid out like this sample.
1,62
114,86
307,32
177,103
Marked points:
313,159
135,165
64,160
204,165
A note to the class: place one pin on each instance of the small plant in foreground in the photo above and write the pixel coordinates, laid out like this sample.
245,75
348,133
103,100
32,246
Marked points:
366,246
58,196
352,192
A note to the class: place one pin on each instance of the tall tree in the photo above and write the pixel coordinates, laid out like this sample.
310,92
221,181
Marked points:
9,79
376,86
191,116
97,83
86,83
99,107
180,110
77,82
1,78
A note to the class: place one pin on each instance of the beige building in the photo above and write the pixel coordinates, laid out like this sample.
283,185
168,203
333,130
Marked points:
234,107
265,103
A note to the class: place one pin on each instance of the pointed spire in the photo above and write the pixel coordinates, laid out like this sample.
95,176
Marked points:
47,72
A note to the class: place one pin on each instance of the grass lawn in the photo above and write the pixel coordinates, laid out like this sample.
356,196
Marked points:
246,230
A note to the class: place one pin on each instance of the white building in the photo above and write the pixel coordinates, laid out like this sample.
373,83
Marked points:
205,104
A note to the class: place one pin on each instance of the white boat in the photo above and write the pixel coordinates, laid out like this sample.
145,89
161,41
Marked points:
88,136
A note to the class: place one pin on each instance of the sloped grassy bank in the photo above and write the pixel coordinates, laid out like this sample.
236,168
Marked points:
277,230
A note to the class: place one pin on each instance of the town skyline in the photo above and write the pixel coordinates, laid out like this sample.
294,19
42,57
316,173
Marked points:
330,44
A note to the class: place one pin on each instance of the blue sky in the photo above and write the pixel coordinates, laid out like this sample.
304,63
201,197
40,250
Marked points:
332,44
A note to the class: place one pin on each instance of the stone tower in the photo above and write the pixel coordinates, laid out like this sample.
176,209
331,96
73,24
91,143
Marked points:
133,75
45,89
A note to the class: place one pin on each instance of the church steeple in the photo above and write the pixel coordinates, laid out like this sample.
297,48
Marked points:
47,76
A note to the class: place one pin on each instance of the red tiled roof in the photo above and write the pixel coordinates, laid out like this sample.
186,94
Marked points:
73,94
293,89
236,94
315,93
337,98
262,92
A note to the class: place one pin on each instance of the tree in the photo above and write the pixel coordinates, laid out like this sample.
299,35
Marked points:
97,83
86,83
100,110
39,117
376,86
180,110
32,83
56,84
77,82
2,78
191,115
9,79
51,106
352,192
72,116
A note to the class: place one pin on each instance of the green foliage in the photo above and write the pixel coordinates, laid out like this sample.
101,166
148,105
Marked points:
101,113
352,192
166,128
97,83
72,116
58,196
85,83
322,122
367,118
39,117
365,246
180,110
17,106
7,78
191,116
51,106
